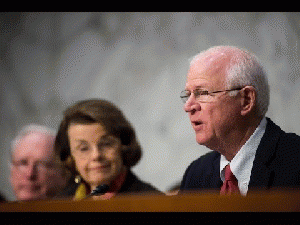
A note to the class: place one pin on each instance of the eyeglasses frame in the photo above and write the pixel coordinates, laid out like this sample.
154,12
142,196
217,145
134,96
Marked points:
209,93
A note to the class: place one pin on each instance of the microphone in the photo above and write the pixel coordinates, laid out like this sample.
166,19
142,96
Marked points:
99,190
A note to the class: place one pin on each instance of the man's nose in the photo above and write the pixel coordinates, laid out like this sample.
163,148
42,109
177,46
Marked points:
192,104
31,171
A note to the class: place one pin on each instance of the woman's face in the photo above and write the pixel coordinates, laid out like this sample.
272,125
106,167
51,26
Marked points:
97,155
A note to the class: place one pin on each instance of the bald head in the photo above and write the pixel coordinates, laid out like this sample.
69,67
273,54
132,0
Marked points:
217,53
238,67
219,59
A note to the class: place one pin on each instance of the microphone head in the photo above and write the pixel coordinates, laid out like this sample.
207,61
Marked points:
100,190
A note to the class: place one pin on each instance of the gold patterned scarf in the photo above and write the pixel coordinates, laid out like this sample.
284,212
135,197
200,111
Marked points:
82,190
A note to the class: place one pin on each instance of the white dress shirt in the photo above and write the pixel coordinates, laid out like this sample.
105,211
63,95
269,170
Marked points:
242,163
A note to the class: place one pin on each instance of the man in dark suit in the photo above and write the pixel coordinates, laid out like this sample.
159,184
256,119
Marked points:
226,98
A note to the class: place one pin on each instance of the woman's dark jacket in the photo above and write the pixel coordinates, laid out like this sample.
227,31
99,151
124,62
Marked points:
132,184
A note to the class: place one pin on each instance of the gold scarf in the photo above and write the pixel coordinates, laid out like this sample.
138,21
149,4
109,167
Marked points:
81,191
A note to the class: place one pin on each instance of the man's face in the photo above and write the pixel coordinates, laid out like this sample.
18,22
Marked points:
215,120
34,174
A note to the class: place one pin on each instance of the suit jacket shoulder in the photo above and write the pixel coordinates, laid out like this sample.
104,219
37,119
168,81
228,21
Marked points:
276,162
203,173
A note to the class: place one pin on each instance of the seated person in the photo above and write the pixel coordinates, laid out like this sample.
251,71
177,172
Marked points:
226,97
98,145
2,199
35,172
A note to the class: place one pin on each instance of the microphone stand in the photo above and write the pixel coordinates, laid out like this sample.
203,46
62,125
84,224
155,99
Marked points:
99,190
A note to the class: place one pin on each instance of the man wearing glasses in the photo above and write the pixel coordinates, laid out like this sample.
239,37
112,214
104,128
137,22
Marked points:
226,97
35,173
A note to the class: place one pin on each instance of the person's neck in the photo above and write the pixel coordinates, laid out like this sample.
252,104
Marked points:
238,138
112,182
115,185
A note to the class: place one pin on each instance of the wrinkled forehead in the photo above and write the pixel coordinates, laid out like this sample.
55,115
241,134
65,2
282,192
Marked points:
211,68
35,146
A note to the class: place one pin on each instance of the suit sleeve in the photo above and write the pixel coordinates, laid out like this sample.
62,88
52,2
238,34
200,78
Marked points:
185,182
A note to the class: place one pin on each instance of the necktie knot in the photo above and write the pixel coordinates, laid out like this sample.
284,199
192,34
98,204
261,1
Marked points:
228,174
230,185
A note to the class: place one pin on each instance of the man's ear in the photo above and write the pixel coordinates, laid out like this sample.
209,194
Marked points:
248,100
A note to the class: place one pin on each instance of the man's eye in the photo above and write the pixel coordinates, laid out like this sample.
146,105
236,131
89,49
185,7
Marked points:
22,162
185,94
45,164
200,92
204,92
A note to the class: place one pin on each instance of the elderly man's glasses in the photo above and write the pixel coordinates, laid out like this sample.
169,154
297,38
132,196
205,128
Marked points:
203,95
41,166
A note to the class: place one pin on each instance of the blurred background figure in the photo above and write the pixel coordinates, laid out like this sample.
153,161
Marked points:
35,172
2,198
99,146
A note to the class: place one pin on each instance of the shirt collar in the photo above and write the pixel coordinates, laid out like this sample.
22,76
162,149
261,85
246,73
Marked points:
241,164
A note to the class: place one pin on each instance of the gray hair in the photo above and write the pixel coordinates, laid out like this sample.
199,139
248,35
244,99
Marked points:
29,129
243,69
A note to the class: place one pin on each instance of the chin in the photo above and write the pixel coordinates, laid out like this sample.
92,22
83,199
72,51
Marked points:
205,141
201,139
102,180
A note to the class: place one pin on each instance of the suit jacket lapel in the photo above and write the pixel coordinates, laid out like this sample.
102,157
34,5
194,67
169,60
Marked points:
216,181
261,174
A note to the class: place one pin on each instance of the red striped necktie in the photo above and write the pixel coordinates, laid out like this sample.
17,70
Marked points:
230,185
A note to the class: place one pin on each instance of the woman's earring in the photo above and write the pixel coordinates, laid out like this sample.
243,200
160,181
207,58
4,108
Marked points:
77,179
